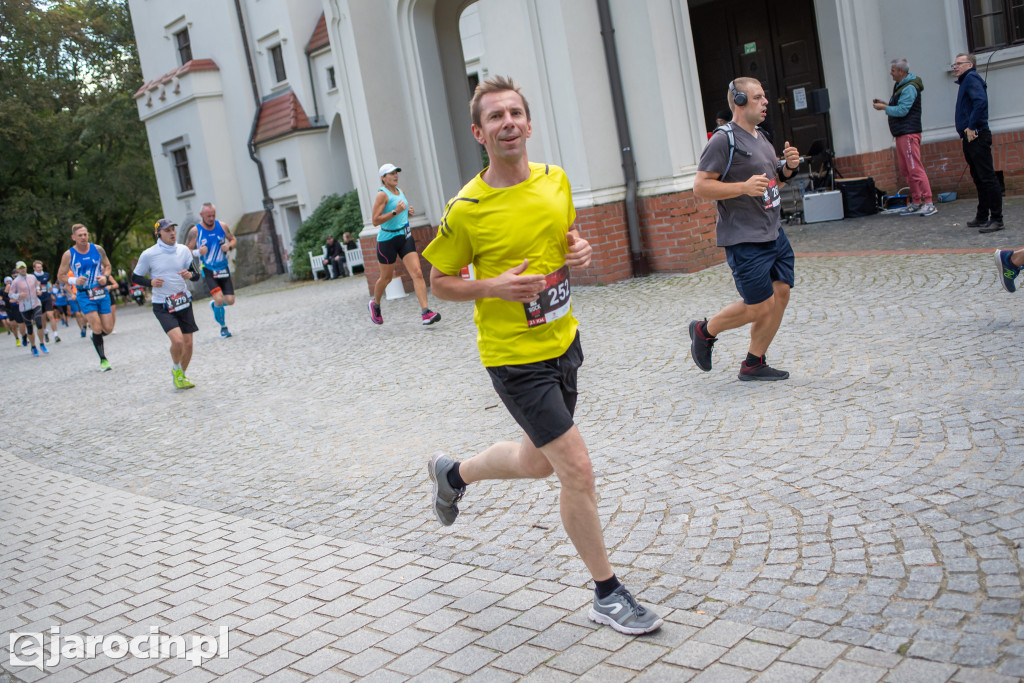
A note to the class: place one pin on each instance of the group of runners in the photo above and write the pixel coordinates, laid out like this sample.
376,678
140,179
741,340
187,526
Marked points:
32,307
81,289
84,282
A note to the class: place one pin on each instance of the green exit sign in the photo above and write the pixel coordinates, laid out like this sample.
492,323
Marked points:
748,48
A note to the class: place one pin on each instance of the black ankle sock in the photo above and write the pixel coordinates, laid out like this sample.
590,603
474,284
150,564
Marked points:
704,329
753,360
606,587
454,478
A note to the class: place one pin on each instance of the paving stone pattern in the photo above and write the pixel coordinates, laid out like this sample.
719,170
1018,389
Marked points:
861,521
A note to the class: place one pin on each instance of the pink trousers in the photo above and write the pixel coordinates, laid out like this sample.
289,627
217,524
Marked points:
908,155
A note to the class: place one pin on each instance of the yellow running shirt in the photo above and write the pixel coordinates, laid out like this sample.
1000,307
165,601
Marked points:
495,229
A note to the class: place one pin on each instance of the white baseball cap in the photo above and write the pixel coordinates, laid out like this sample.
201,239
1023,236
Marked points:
387,168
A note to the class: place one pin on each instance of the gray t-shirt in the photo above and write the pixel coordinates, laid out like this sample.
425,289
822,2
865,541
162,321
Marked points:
744,218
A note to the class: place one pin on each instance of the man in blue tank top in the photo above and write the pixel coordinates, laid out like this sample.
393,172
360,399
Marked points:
87,267
210,241
391,213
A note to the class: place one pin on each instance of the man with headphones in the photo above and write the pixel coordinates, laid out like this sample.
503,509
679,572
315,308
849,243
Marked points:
739,170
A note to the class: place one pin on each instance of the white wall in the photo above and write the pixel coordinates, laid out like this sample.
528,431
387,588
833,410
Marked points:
860,37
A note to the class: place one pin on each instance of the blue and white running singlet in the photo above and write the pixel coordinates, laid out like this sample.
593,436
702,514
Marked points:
214,259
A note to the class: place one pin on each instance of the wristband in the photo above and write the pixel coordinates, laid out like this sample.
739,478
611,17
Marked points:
195,252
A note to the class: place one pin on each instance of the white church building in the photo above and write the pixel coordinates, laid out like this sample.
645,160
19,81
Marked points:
265,107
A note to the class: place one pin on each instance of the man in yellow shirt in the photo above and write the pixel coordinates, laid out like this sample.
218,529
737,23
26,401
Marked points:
513,223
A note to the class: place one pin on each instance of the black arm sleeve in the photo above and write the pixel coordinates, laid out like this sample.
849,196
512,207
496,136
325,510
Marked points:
139,280
195,273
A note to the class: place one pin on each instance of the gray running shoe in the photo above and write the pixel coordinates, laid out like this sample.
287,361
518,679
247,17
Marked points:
622,612
445,497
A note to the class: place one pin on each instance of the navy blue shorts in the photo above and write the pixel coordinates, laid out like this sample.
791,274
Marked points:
756,265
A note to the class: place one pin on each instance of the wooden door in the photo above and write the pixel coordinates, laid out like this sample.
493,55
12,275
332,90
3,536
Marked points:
774,41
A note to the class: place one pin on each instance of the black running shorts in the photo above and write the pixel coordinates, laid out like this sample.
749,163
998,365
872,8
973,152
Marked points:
395,248
220,284
541,396
184,319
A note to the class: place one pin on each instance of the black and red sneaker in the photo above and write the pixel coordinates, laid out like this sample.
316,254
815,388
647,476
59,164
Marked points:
700,344
761,372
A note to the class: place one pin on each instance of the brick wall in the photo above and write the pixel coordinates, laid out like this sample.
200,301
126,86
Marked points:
604,227
679,233
944,162
878,165
371,268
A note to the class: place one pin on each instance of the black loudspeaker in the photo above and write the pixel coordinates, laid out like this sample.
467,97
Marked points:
859,197
817,101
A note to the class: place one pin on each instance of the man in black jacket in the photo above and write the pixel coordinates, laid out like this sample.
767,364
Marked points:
904,112
335,259
972,127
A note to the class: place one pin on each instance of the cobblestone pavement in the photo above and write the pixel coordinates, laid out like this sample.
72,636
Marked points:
944,230
858,522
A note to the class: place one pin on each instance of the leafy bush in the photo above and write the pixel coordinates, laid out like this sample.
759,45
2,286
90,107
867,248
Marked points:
335,215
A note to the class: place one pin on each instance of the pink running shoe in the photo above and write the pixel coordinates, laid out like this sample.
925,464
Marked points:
375,317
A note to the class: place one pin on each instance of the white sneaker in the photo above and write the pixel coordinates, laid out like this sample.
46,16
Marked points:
910,210
927,210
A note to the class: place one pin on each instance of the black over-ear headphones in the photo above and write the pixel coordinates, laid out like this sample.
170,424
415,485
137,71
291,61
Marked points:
740,98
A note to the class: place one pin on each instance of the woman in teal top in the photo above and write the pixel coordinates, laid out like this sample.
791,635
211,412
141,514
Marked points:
390,214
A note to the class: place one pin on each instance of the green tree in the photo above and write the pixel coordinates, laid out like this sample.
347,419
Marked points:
335,215
74,149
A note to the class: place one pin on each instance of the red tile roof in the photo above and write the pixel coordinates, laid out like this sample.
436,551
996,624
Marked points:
281,115
319,38
193,65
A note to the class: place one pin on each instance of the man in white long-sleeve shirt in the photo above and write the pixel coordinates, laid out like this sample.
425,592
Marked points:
168,265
